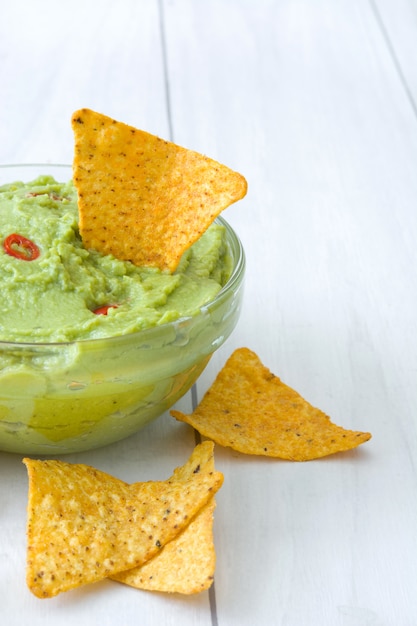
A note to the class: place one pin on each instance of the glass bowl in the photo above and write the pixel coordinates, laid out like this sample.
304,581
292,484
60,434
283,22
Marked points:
58,398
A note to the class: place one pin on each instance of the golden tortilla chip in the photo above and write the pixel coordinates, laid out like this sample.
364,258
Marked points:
84,525
141,198
184,565
250,410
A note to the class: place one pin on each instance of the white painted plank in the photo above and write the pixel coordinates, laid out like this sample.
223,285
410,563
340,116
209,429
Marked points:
304,99
397,20
105,56
56,58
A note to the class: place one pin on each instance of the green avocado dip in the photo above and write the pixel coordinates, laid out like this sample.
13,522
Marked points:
74,372
68,293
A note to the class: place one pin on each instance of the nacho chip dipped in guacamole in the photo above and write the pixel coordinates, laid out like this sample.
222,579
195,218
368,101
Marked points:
85,525
143,199
251,410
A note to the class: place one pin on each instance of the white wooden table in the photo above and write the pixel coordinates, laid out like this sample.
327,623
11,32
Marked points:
316,104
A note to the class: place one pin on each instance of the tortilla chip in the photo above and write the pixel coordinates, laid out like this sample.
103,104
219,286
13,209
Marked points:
184,565
84,525
250,410
141,198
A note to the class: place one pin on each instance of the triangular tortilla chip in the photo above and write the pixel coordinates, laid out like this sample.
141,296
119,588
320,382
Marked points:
141,198
251,410
84,525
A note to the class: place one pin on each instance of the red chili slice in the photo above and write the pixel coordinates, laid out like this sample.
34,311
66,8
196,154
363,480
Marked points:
103,310
21,248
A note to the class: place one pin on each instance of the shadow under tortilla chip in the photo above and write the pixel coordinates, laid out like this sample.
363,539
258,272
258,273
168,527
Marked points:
251,410
85,525
141,198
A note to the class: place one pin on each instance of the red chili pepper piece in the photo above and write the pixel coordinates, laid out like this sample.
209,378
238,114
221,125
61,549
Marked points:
103,310
21,248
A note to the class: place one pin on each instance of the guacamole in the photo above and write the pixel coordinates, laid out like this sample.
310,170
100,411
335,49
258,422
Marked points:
54,290
74,374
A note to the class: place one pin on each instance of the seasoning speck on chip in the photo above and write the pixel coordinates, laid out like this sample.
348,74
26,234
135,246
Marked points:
141,198
251,410
84,525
